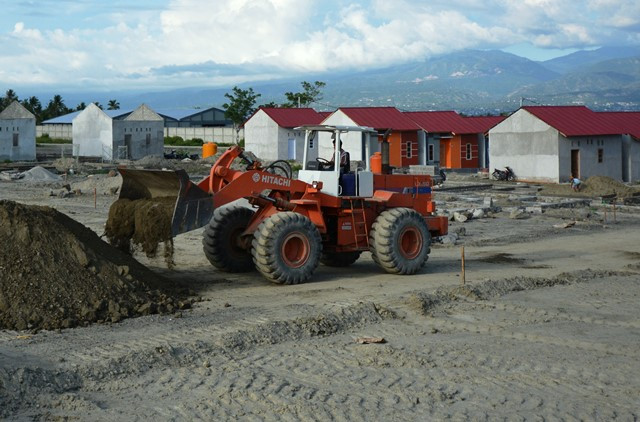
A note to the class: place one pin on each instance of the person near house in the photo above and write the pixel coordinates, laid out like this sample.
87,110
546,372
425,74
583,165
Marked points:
575,183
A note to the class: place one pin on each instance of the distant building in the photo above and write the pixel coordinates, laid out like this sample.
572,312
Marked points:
269,133
551,143
17,133
98,134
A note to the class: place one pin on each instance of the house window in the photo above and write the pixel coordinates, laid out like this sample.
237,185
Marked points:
409,151
148,139
600,155
468,157
430,152
15,139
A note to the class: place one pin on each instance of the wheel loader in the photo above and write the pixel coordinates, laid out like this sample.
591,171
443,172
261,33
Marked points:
329,214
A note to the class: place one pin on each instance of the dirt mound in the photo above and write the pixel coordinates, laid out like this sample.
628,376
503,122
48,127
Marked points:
56,273
594,186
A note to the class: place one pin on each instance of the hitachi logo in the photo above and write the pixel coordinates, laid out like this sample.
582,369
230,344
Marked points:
280,181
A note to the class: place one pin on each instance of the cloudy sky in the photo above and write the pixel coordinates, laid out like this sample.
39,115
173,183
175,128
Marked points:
163,44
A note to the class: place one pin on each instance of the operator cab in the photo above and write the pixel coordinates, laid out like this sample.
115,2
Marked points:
336,180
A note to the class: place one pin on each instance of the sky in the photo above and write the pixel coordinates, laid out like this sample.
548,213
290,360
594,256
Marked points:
166,44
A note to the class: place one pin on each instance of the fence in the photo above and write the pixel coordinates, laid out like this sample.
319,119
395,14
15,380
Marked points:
225,135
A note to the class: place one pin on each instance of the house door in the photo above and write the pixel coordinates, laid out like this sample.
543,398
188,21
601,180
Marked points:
445,153
575,163
128,144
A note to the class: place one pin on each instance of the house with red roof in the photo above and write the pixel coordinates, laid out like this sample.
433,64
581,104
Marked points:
270,132
403,138
551,143
452,141
629,124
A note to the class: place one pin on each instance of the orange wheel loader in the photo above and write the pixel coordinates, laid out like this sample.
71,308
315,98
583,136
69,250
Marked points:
329,214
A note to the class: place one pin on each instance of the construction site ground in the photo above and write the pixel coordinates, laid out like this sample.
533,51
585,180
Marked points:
544,323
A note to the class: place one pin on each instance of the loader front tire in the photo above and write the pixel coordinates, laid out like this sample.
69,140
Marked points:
286,248
400,241
221,237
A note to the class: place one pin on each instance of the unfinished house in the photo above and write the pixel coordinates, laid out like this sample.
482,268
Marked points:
403,138
133,135
270,132
551,143
17,133
451,141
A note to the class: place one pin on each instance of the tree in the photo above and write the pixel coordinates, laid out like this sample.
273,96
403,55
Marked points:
9,97
34,106
55,108
310,94
241,105
81,106
113,105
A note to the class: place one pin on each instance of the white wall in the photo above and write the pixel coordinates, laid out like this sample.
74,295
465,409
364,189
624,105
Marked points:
138,129
262,137
92,133
526,144
611,165
26,132
351,142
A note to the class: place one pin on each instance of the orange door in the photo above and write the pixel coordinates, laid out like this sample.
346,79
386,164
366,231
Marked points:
445,153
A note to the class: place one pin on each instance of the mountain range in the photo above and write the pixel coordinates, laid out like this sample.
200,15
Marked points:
470,81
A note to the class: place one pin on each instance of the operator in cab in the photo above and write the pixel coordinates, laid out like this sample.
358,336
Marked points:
344,157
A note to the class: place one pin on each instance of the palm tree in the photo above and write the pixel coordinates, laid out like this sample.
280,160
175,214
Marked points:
34,106
9,97
113,105
81,106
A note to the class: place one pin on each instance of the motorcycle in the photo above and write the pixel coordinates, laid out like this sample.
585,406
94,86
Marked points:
507,174
180,155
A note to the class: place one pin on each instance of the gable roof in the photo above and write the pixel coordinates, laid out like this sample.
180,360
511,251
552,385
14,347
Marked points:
380,118
293,117
450,121
573,120
144,113
627,122
15,110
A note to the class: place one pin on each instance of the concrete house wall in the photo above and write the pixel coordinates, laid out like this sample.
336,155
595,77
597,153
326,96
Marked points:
92,133
351,142
17,133
258,130
141,132
536,151
95,134
630,159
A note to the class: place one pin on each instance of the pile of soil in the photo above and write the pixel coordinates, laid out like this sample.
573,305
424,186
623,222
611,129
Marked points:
594,186
57,273
143,222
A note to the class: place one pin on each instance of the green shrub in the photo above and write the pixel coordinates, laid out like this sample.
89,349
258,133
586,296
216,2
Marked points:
46,139
179,142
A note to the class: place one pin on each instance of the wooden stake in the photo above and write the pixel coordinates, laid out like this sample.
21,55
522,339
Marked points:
95,198
605,215
463,268
614,211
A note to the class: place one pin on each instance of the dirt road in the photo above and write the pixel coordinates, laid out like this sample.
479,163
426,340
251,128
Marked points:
546,327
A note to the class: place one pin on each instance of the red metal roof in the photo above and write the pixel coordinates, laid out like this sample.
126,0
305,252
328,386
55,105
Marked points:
450,121
574,120
380,118
292,117
627,122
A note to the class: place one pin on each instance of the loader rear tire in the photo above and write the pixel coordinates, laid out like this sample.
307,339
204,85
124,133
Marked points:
400,241
286,248
339,259
220,240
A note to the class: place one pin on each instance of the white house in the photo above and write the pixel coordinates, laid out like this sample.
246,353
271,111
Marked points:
17,133
108,135
551,143
269,133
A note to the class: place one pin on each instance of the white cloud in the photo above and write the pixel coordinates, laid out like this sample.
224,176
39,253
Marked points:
168,47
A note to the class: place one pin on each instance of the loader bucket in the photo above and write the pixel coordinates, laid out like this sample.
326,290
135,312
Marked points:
193,206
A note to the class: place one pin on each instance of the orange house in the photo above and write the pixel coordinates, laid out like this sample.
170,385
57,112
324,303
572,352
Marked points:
453,141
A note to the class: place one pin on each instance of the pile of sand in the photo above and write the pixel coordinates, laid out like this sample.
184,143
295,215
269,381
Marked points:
40,174
56,273
594,186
